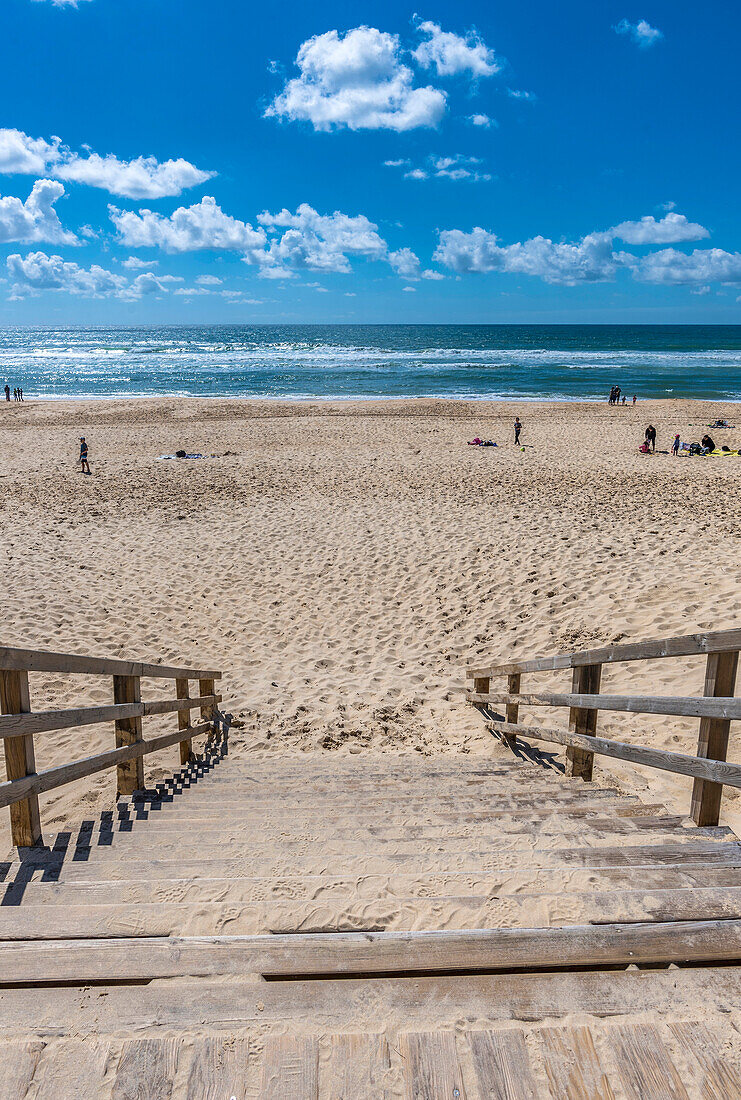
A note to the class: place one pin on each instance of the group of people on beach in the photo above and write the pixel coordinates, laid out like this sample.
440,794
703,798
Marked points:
615,398
17,393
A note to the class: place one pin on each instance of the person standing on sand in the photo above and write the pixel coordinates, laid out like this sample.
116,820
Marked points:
634,399
84,465
518,429
651,437
675,445
20,394
7,392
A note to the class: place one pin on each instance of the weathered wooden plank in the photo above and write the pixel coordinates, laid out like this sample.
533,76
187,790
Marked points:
502,1065
342,1004
359,1067
70,1069
717,1079
18,1061
644,1064
512,712
12,725
687,706
20,762
572,1066
218,1068
57,777
720,678
34,660
130,771
146,1069
717,771
369,952
208,711
290,1068
430,1065
579,763
718,641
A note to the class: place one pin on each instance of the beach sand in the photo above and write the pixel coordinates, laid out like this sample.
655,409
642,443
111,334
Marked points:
341,562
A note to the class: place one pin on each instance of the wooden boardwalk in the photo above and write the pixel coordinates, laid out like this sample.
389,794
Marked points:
316,926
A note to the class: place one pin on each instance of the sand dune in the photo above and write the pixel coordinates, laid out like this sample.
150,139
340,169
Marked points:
341,562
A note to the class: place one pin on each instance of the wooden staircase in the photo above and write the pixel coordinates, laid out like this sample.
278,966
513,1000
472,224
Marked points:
304,926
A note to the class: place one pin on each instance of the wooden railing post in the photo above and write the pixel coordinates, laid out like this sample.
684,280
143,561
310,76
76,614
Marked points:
585,681
25,822
720,680
512,713
130,773
208,713
186,747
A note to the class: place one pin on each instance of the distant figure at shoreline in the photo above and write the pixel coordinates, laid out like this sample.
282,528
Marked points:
84,465
7,392
518,429
634,399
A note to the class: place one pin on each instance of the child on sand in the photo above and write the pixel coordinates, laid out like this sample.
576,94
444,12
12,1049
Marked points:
518,429
675,445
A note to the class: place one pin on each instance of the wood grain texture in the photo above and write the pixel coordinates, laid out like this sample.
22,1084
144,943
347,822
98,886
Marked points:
644,1064
130,771
18,1061
572,1067
687,706
502,1065
430,1066
720,679
358,1068
687,645
583,722
47,720
186,745
218,1068
716,1078
20,762
146,1069
290,1068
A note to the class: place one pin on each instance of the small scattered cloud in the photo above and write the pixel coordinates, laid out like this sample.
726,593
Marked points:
133,263
409,289
64,3
670,229
209,280
456,167
482,121
517,93
642,33
451,55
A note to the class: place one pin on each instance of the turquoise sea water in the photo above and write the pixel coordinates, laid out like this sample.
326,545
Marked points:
562,362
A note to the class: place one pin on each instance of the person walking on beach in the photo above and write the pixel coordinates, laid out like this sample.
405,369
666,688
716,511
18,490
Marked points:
84,465
651,437
7,392
518,429
675,445
20,394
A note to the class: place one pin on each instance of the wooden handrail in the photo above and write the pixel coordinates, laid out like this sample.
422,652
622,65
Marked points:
719,641
35,660
716,709
686,706
19,724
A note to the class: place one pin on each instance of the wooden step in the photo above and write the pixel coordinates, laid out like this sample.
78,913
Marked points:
145,958
65,920
244,890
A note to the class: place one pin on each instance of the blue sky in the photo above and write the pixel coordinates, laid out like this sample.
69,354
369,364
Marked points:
180,161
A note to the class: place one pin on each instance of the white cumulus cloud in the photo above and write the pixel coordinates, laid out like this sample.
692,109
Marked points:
406,263
357,80
318,242
188,229
670,229
38,272
34,220
450,54
642,33
209,280
702,266
591,260
483,121
141,178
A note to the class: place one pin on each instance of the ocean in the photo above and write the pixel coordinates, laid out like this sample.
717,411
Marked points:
522,362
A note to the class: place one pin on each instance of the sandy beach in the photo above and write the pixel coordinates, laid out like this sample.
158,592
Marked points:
341,562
